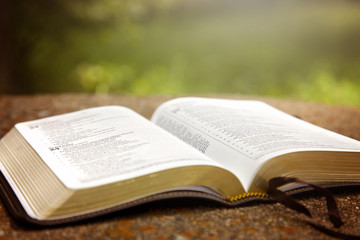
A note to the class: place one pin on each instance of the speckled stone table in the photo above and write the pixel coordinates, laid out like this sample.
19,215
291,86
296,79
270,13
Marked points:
188,219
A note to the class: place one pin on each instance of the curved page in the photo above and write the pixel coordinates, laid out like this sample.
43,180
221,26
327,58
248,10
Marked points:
102,145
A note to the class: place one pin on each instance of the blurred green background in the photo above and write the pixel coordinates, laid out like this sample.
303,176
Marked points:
308,49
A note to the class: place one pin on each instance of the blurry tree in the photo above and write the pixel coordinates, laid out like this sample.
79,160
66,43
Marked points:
6,59
299,49
58,34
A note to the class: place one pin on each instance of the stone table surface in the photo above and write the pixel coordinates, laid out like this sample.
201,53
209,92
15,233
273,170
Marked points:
188,219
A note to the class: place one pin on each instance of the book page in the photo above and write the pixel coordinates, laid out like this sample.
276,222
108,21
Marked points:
241,135
106,144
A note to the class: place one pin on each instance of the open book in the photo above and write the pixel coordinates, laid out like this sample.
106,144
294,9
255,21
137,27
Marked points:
85,163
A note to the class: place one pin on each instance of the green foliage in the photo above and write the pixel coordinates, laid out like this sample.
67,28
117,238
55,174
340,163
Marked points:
107,78
326,88
299,49
102,78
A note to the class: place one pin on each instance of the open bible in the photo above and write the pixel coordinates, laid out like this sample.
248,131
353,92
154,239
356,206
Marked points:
90,162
